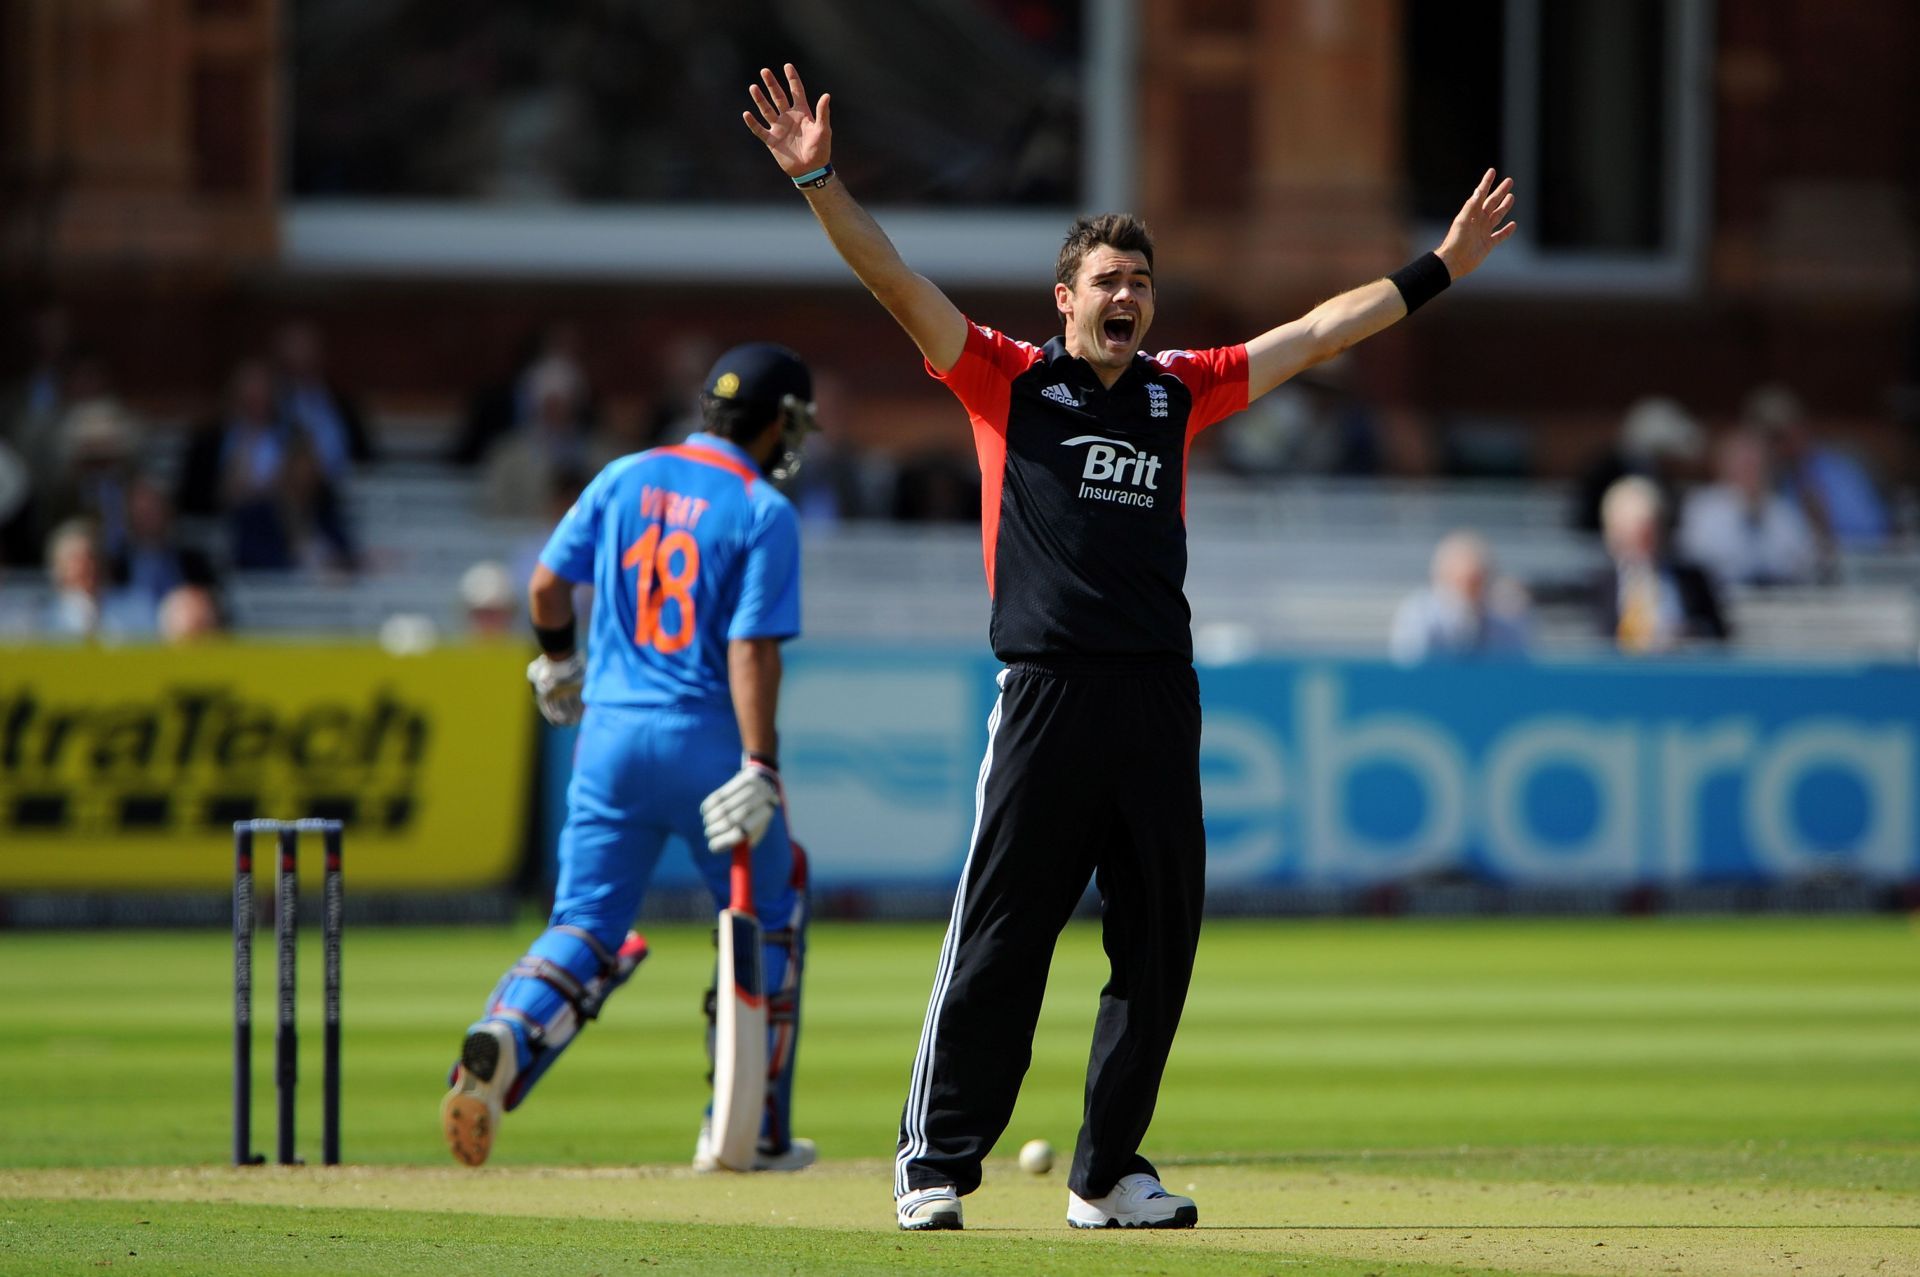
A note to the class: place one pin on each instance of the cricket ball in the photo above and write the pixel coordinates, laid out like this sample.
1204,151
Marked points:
1036,1157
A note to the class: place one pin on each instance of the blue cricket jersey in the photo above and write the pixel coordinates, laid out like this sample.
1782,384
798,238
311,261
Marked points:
687,548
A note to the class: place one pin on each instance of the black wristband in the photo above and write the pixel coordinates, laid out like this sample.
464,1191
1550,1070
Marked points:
557,640
1421,280
767,761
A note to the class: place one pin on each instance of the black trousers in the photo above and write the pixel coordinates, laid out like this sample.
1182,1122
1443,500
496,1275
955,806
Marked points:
1086,775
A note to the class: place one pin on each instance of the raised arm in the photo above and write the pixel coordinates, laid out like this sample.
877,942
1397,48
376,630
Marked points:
801,141
1352,317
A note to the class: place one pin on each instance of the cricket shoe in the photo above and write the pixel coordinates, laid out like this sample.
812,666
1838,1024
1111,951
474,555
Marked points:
470,1114
1137,1201
799,1154
926,1209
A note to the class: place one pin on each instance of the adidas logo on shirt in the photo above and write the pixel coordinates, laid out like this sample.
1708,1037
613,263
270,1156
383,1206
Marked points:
1060,394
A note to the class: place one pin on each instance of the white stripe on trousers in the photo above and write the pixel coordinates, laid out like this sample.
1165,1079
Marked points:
914,1121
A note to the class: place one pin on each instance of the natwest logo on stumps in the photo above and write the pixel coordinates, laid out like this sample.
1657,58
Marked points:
1116,471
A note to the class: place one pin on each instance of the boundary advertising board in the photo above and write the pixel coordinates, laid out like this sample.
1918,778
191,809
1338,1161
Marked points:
1342,773
123,768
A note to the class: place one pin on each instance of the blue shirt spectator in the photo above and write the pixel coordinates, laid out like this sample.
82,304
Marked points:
1833,490
1464,614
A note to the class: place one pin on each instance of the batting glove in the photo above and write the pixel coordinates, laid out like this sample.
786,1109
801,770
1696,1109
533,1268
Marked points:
556,687
741,809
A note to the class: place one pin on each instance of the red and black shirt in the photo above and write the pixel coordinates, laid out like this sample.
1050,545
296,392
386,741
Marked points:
1083,492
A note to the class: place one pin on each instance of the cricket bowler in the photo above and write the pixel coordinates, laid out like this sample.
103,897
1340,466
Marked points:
1092,767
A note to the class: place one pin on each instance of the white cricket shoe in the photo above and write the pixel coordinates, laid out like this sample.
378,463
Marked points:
1137,1201
799,1154
470,1114
927,1209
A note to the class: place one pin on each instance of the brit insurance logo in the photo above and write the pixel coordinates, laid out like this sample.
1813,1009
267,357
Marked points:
1116,472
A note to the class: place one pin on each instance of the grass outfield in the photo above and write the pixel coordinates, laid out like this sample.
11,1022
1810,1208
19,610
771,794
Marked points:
1691,1096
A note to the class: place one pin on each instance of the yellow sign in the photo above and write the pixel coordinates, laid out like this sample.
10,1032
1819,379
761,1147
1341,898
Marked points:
125,768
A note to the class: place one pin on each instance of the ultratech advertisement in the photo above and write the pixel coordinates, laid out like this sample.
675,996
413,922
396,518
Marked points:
125,768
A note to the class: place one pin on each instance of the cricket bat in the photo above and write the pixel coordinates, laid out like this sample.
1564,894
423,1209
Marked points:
740,1026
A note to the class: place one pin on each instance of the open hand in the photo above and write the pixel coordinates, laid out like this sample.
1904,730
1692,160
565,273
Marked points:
1477,227
800,138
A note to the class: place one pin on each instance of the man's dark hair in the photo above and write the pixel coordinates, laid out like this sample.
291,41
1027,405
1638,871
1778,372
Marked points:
734,420
1123,231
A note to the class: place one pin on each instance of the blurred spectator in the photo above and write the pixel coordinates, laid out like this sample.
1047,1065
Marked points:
96,451
311,399
16,487
151,562
1312,425
335,432
563,489
84,381
675,412
497,409
251,468
1658,441
936,487
835,480
19,619
1265,438
16,506
1739,528
1832,489
82,606
408,634
75,453
1465,614
521,467
831,484
39,393
30,412
487,594
33,405
188,614
1645,600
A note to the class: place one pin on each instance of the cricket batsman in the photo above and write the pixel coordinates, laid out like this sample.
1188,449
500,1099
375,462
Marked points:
1093,747
694,557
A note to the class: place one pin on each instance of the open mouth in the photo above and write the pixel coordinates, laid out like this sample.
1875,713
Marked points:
1119,328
